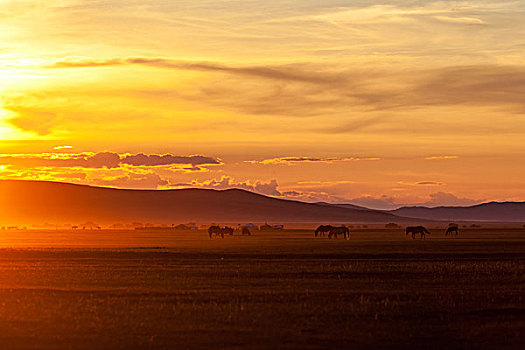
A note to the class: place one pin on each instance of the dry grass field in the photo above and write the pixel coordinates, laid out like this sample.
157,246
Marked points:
287,290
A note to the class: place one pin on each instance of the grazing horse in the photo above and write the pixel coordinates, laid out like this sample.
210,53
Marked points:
452,229
218,231
227,231
321,230
246,231
414,230
334,231
215,230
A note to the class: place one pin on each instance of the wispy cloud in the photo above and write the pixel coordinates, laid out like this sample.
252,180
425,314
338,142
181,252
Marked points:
420,183
441,157
480,84
295,160
460,20
316,183
166,159
286,72
101,160
338,98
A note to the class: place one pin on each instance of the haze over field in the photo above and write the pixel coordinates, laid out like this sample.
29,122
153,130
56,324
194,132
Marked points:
377,103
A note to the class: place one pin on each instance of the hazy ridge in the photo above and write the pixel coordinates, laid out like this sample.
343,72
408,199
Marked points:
28,202
25,202
493,211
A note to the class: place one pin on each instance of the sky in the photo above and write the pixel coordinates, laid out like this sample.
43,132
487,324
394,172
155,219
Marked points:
376,103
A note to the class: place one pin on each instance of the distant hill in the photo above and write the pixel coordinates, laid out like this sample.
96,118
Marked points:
493,211
36,202
345,205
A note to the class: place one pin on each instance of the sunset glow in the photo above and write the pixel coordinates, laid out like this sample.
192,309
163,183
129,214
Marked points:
262,174
374,103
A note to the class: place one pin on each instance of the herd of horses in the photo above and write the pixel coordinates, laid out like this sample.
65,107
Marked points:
331,231
217,231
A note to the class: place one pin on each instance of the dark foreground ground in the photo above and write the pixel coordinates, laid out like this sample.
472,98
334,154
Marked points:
285,290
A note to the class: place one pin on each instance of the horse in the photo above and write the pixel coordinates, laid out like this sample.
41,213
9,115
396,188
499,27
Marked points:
417,229
246,231
321,230
215,230
452,229
227,231
334,231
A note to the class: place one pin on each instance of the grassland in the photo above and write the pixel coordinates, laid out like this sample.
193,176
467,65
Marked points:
180,290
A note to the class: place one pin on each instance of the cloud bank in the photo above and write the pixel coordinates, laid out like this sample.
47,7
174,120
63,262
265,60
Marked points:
295,160
102,160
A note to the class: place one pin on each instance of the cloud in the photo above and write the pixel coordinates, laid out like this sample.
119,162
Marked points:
62,147
386,202
383,202
132,180
316,183
439,86
348,98
397,13
421,183
313,195
355,125
32,119
445,198
291,193
102,160
166,159
83,160
459,20
227,182
312,91
290,72
67,175
429,183
333,189
441,157
295,160
269,188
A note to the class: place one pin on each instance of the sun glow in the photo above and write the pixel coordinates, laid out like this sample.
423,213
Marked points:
334,95
9,132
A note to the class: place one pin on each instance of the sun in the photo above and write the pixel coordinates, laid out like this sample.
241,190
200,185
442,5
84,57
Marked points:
19,74
10,77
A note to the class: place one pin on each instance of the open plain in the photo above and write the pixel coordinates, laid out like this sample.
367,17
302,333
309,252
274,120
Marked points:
180,290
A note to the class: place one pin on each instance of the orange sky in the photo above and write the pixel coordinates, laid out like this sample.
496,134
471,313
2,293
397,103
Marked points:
381,103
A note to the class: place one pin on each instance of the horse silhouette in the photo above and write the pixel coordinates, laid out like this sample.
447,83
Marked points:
452,229
218,231
321,230
332,231
417,229
227,230
342,230
215,230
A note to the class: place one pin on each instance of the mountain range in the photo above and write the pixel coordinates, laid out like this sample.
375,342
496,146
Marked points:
30,202
35,202
493,211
